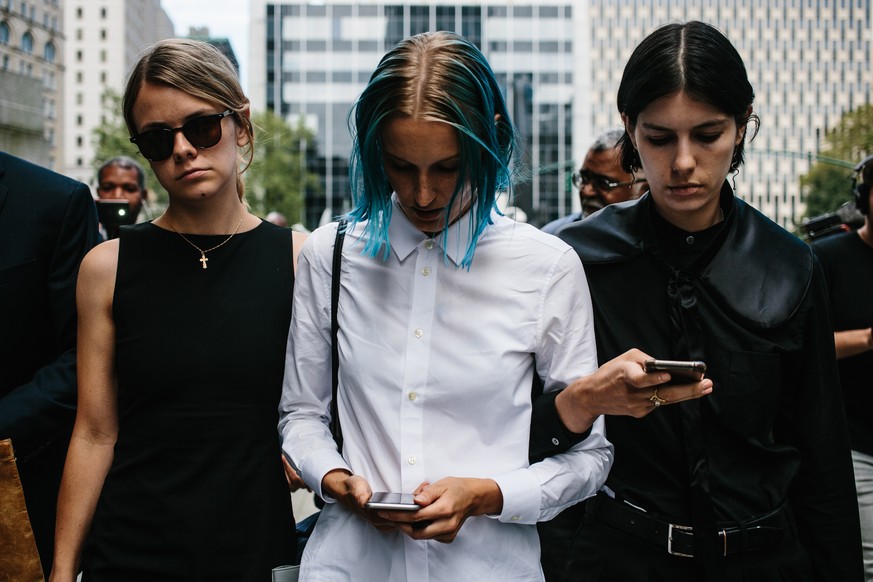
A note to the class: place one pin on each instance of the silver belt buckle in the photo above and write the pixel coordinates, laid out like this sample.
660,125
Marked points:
670,528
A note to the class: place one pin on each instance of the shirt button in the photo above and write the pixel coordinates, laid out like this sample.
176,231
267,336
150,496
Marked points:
411,460
425,271
413,396
690,240
555,441
428,245
418,333
515,518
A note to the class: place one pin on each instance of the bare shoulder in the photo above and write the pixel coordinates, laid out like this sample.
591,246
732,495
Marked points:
297,240
97,271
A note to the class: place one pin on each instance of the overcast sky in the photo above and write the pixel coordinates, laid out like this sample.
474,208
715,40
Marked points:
224,18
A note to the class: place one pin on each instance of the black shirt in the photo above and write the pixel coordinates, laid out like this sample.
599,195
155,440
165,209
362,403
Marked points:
848,268
748,298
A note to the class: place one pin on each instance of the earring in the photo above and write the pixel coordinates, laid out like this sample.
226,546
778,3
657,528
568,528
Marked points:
735,161
635,163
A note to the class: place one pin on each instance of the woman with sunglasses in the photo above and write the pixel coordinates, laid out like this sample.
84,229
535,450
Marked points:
754,482
174,471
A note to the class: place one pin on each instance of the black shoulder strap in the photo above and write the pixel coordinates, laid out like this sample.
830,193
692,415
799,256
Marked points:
335,428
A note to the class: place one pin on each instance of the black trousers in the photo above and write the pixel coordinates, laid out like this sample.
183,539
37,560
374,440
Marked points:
556,535
600,553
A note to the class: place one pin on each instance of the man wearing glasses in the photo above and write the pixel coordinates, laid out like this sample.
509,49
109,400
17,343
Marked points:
601,180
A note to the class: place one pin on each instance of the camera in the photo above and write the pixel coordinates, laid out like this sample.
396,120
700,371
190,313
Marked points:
113,214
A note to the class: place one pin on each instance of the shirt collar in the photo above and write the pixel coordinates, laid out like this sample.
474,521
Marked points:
405,238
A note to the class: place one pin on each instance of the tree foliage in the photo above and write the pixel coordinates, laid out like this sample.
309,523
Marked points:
828,184
112,139
279,176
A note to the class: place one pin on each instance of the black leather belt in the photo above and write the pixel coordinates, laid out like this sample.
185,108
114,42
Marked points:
758,534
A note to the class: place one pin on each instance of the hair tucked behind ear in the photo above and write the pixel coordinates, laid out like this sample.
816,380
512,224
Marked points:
440,77
198,69
693,57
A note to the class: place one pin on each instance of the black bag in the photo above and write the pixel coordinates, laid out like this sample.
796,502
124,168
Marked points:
307,525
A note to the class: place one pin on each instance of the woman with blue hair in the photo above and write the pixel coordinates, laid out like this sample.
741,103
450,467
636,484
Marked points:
446,310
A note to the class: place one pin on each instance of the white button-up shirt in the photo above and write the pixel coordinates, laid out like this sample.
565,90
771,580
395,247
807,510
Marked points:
435,381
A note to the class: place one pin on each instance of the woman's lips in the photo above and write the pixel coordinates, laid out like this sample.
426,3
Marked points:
685,189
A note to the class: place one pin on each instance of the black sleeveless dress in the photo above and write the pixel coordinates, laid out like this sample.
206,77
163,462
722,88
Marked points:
196,490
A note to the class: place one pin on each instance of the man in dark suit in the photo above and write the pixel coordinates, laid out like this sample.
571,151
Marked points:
47,224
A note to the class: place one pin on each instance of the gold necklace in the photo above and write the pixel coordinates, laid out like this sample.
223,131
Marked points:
203,252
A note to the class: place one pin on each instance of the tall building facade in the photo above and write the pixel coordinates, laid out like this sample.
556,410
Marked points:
560,64
104,40
310,61
31,79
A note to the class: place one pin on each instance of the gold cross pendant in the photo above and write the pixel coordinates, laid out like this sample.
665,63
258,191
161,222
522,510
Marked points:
203,259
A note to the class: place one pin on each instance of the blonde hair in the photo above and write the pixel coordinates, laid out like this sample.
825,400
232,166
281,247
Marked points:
200,70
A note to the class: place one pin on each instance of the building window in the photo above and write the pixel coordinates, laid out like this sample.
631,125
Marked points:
27,43
48,52
102,13
4,33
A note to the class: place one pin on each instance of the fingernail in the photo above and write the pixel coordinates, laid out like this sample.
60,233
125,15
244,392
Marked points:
383,515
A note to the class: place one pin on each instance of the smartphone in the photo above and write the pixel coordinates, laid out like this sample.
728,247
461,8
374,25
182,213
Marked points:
681,372
114,212
392,501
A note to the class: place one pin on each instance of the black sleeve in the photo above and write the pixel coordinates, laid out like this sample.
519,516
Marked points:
812,419
548,435
45,406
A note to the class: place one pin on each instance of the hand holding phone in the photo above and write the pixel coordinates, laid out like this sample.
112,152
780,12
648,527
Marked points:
681,372
392,501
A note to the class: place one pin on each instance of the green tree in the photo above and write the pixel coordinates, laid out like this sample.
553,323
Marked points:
279,177
827,185
111,139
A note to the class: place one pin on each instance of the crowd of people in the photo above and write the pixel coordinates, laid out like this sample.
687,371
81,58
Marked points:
497,375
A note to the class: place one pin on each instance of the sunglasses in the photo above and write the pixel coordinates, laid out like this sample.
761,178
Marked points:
600,183
201,132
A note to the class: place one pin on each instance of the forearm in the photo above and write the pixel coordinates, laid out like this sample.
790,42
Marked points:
487,498
545,488
85,471
852,342
573,409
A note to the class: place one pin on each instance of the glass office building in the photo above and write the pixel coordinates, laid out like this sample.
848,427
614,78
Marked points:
560,64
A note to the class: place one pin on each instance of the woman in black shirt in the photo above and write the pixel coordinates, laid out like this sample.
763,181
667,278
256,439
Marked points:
754,481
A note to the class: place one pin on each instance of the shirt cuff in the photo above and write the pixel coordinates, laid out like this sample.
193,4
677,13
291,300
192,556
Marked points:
548,435
317,466
521,497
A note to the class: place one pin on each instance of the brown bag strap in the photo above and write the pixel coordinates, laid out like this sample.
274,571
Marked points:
19,559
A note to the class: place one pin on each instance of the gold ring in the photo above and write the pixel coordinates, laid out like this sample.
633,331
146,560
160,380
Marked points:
657,400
